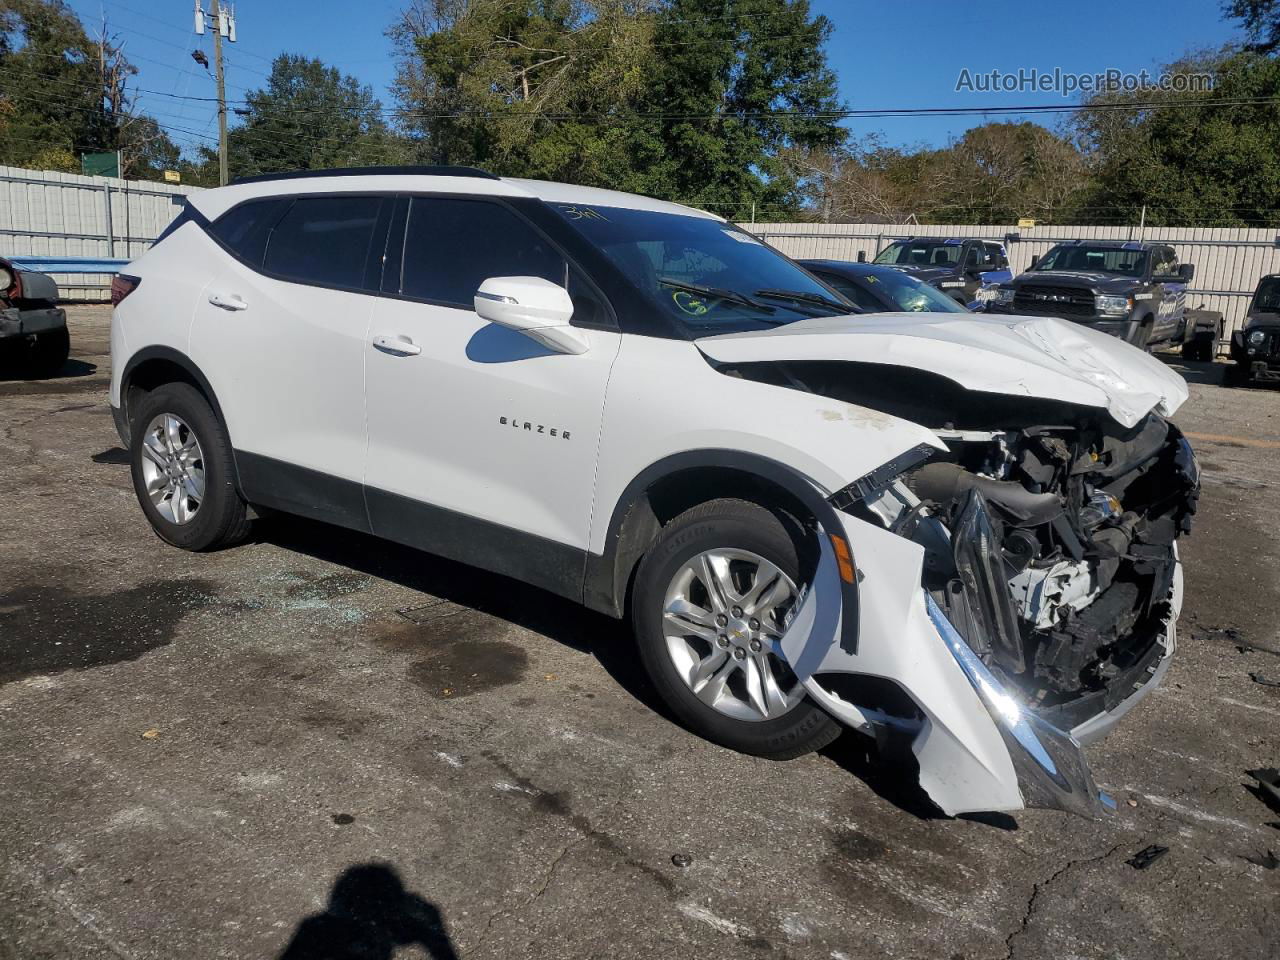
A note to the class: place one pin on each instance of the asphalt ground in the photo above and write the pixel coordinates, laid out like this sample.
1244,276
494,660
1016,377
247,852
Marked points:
317,744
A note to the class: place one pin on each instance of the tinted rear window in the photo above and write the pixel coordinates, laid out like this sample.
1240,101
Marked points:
244,228
324,241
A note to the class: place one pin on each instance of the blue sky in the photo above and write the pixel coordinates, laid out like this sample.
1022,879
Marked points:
887,55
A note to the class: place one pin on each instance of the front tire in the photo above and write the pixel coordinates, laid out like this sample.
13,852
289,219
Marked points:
710,596
183,473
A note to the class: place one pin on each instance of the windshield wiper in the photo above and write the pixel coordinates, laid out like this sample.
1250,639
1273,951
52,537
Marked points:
803,297
719,293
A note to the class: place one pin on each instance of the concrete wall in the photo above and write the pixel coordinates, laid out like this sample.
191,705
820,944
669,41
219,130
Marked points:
1228,261
43,213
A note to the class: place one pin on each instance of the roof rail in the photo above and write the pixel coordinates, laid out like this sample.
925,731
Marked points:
399,171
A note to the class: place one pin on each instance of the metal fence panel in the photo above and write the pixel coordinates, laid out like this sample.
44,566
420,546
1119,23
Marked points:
44,213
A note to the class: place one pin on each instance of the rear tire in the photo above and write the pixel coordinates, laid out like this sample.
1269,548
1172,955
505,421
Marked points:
1236,375
1199,349
48,352
794,725
217,517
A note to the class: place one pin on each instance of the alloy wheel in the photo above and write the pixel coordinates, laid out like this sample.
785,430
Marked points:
723,614
173,468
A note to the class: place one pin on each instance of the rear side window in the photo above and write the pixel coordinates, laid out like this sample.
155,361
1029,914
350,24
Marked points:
244,228
452,246
324,241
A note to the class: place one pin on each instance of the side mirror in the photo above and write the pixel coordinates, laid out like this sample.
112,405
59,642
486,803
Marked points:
1186,271
538,308
862,256
1032,264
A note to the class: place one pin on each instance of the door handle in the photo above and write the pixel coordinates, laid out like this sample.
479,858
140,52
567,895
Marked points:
400,346
228,301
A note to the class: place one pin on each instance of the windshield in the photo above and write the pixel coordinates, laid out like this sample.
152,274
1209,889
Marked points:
709,275
1267,299
921,253
1119,260
912,295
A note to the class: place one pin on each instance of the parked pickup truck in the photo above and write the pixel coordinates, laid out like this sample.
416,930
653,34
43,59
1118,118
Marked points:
1256,348
1133,290
958,266
33,328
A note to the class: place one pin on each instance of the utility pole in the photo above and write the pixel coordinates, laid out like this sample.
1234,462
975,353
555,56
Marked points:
224,27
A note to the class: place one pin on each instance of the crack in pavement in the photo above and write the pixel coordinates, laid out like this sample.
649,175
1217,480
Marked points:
1043,884
547,877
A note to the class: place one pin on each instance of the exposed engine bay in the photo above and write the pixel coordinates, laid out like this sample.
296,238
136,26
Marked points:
1049,529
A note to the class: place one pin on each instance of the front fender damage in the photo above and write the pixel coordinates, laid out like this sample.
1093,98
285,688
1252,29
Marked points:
977,747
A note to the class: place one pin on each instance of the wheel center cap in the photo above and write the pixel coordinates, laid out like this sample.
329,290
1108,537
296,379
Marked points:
739,630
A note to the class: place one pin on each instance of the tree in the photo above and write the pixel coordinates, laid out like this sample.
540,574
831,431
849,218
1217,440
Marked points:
50,88
309,116
999,172
1188,157
736,84
63,93
995,173
537,88
694,100
1261,19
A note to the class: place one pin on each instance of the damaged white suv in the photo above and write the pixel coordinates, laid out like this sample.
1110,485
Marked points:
956,529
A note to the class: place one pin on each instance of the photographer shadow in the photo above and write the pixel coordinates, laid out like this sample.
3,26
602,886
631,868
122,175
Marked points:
369,916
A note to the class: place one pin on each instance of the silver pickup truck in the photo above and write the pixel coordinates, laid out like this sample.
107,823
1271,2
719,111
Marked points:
33,328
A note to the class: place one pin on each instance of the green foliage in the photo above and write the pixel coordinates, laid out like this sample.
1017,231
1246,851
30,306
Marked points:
49,83
1261,19
692,100
1210,165
63,93
309,116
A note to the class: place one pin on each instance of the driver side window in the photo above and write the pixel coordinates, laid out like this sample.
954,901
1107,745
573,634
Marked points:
1166,263
453,245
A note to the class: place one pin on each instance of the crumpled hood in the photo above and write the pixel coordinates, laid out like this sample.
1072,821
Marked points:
1019,356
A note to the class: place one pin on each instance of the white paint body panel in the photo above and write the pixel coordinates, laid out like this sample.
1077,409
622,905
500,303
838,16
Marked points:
435,419
664,398
158,313
1019,356
288,370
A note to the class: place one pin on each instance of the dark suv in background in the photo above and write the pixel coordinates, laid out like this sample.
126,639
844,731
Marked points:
1132,290
1256,348
958,266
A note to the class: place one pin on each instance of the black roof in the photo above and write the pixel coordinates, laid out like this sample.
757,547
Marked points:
402,171
1112,244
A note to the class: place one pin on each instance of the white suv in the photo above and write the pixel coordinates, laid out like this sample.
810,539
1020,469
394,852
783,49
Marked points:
957,529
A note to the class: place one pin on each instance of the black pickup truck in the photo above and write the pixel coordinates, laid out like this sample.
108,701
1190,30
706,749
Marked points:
33,328
1132,290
